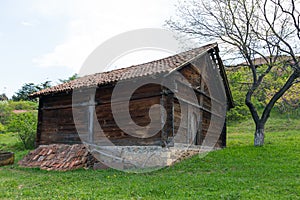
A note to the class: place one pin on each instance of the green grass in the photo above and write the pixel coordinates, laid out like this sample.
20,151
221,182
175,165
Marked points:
10,142
240,171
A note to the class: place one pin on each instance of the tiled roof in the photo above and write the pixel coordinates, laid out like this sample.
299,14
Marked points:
164,65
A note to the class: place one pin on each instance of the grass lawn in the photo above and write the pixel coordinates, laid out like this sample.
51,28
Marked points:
240,171
9,141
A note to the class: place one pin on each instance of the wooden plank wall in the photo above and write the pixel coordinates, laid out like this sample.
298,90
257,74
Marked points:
56,122
184,105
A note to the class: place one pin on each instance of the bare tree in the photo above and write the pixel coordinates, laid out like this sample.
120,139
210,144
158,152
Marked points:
266,29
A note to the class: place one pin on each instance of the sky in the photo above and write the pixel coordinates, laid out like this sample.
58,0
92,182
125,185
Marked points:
49,40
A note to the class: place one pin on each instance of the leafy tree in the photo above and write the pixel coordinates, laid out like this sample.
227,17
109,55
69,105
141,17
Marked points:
43,85
240,111
22,94
71,78
24,124
3,97
238,83
29,88
268,29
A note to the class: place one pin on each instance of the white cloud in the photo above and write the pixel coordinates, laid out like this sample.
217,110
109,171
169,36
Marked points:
30,23
92,22
27,23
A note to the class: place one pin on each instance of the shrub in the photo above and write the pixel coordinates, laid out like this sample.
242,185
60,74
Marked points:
24,125
23,105
2,128
240,111
5,112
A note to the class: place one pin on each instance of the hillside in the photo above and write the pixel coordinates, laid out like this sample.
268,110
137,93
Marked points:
240,171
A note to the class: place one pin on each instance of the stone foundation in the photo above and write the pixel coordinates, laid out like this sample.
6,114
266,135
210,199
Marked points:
64,157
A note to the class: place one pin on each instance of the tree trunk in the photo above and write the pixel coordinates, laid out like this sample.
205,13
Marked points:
259,136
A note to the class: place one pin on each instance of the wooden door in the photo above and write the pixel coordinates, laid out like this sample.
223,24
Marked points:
193,125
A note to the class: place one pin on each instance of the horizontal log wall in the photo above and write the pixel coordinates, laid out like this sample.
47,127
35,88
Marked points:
56,122
139,112
184,104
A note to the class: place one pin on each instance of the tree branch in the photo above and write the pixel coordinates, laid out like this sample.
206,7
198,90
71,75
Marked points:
270,105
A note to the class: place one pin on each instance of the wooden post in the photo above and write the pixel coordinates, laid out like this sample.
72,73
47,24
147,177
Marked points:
200,136
164,133
91,111
172,116
224,134
39,124
189,124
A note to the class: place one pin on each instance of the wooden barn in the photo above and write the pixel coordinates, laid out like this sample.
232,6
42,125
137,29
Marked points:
181,121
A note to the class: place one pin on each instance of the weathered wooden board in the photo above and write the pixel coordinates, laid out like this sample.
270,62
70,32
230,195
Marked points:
57,121
7,158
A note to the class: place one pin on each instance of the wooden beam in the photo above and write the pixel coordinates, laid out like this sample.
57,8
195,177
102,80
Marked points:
39,124
200,107
189,124
95,103
201,91
224,77
163,118
224,135
200,136
91,111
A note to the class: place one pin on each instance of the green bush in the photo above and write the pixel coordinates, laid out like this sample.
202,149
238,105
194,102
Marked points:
238,84
2,128
240,111
24,125
5,112
23,105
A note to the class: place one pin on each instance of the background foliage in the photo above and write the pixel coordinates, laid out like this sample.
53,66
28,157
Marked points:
23,105
29,88
239,83
2,128
24,125
5,112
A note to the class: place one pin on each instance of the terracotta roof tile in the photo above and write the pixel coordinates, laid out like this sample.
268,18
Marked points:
164,65
61,157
